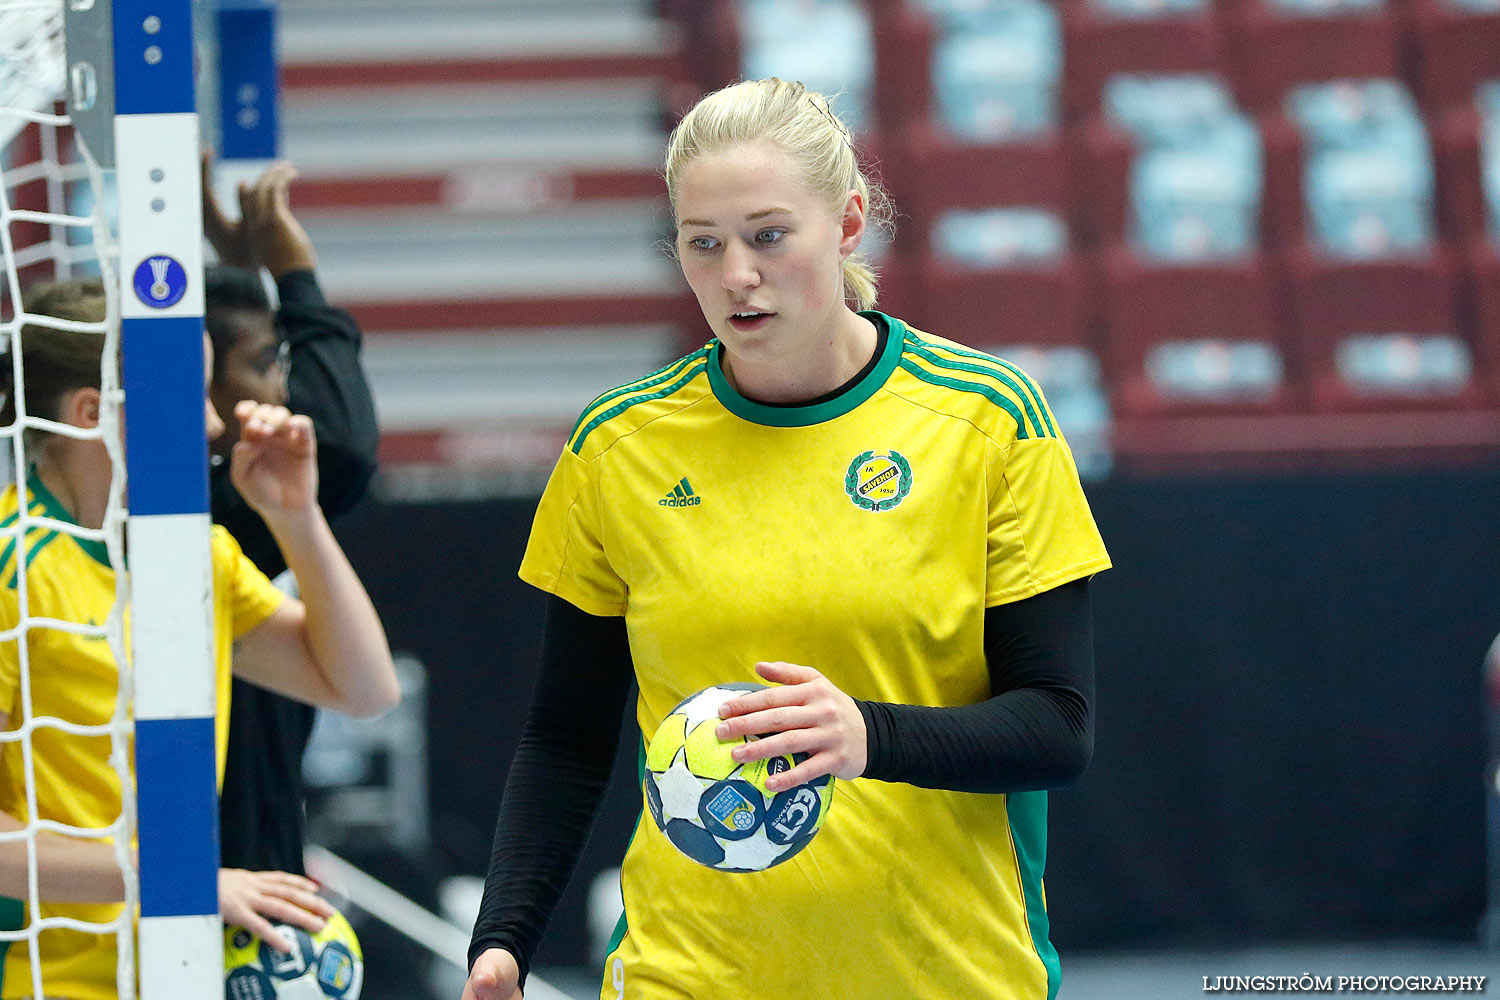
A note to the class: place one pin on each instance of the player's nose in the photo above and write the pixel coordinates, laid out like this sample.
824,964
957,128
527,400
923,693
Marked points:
739,271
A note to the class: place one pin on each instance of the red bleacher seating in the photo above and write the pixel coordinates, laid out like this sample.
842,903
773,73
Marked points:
1283,210
1044,304
1456,50
1460,191
1331,300
1102,154
1101,164
1103,296
1099,46
1147,304
1034,304
942,173
1482,263
1274,51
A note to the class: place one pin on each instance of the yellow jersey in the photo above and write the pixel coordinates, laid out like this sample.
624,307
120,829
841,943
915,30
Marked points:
74,678
862,535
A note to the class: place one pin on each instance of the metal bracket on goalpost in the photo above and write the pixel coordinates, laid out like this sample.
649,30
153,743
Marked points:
89,39
171,578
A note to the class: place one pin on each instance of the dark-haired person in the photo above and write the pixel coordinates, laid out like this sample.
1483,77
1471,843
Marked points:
304,355
327,648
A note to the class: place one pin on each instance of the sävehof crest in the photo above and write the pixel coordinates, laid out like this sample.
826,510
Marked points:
878,482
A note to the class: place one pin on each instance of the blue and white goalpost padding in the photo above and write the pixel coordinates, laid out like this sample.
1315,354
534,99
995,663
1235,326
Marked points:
171,578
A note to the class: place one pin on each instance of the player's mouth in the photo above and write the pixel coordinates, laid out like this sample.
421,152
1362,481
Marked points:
749,320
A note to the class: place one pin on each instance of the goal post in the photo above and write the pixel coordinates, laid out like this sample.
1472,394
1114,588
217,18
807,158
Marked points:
156,146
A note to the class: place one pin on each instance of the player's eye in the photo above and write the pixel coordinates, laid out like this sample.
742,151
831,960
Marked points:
769,236
703,242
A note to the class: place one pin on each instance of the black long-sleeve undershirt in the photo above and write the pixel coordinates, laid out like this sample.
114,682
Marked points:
1035,731
556,779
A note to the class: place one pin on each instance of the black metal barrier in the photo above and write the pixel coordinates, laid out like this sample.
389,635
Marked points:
1290,731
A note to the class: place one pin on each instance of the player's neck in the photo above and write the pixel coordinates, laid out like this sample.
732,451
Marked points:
837,357
61,473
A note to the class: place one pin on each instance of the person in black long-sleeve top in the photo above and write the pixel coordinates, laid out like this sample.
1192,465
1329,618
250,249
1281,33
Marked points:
305,355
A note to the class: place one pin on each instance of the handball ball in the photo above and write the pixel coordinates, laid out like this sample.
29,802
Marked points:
717,811
326,964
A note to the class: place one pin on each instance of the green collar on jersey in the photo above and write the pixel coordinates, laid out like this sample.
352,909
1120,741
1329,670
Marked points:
816,413
53,508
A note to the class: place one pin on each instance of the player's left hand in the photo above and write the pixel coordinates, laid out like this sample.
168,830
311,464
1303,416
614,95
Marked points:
274,463
805,714
253,899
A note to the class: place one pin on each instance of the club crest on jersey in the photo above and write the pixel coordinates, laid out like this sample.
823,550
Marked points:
878,481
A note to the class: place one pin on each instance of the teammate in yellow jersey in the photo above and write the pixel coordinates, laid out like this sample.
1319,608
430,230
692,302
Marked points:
328,649
885,525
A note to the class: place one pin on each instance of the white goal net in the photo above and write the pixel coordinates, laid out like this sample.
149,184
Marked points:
53,227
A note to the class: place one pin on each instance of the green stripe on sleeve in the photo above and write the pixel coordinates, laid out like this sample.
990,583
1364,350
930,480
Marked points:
654,379
619,408
1041,403
984,390
1036,391
35,509
33,549
923,350
1026,813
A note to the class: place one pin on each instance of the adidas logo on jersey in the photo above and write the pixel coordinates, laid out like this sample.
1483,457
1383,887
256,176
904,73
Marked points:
682,495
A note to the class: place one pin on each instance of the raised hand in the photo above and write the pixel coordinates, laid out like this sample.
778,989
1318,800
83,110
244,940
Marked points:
253,900
267,234
495,976
230,239
806,714
274,463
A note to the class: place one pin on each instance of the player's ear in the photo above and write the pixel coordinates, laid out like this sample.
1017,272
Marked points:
853,224
81,407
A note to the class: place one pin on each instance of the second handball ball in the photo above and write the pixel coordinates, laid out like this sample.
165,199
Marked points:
717,811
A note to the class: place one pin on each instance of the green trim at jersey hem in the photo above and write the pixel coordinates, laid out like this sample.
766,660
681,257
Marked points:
921,349
97,550
622,926
691,371
983,390
806,416
1026,813
12,918
1018,373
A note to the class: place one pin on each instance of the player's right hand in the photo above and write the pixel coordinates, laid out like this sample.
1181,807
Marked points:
274,463
229,238
266,234
495,976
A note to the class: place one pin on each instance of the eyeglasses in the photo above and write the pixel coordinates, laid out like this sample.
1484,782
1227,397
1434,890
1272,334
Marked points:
280,362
